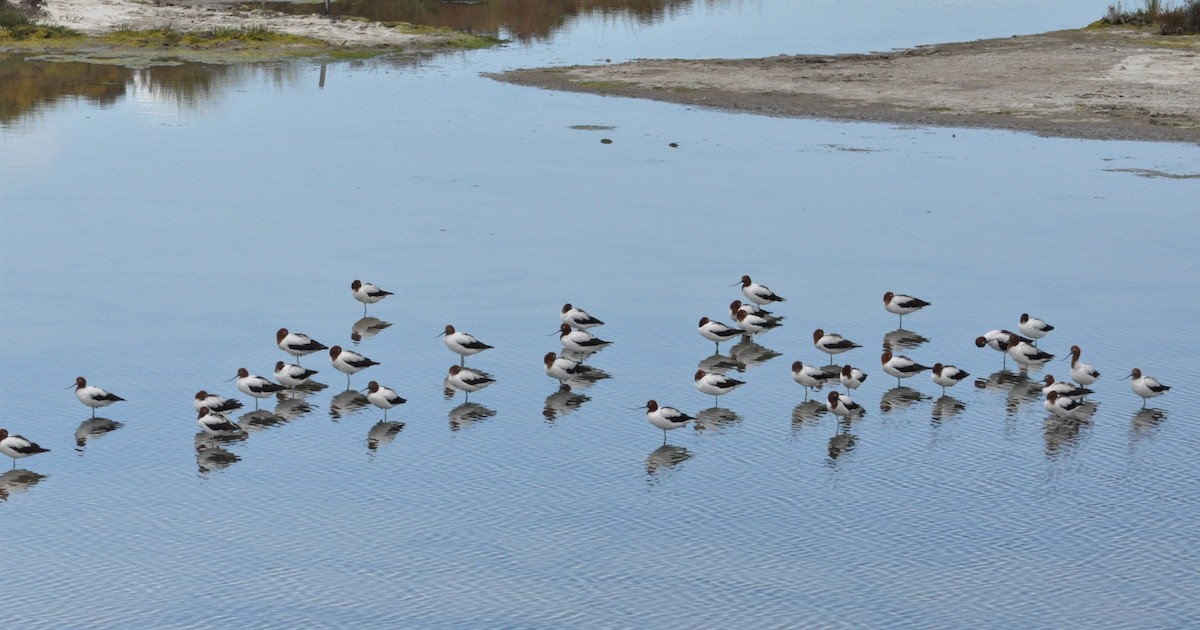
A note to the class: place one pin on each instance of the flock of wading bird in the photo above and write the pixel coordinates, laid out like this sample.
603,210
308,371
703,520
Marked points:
1062,399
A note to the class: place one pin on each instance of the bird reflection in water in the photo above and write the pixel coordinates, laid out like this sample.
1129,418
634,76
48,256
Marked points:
947,407
213,458
581,355
93,429
467,414
206,440
807,413
1145,423
562,402
288,409
716,419
901,338
585,381
1019,388
347,403
18,480
1061,435
1086,411
303,389
586,377
1001,381
366,328
750,353
842,442
665,458
259,420
900,398
382,434
721,364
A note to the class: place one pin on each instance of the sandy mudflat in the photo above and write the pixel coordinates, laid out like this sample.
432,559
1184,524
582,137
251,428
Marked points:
1091,83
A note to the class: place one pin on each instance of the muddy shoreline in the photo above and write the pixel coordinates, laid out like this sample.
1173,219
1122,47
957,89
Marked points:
1110,83
109,33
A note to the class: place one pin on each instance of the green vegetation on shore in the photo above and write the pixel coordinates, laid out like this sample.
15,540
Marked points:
20,30
17,23
454,39
1183,19
245,37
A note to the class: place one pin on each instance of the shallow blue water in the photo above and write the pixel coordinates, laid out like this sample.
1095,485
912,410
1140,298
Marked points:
154,245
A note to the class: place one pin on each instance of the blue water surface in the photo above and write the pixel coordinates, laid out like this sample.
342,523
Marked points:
154,241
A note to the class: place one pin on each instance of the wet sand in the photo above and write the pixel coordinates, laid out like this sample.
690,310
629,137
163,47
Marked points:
1104,83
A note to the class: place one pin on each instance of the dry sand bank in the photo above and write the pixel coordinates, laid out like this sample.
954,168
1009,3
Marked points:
1093,83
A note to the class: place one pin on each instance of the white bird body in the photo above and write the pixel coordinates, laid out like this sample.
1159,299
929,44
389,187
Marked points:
752,324
92,396
1146,386
562,368
717,332
216,424
214,403
842,405
758,293
665,418
1081,372
349,362
809,376
256,386
749,307
947,375
900,366
291,375
715,384
1033,327
851,377
580,341
296,344
16,446
578,318
1063,388
367,293
468,380
1026,354
461,343
997,340
902,304
383,397
1061,406
832,343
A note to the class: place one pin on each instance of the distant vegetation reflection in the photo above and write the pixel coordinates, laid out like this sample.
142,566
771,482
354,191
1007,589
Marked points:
30,86
522,20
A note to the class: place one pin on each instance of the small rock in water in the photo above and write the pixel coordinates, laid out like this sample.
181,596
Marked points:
674,145
605,141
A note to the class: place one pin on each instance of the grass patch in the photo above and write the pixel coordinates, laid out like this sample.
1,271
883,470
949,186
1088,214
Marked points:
351,55
219,37
18,23
453,38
